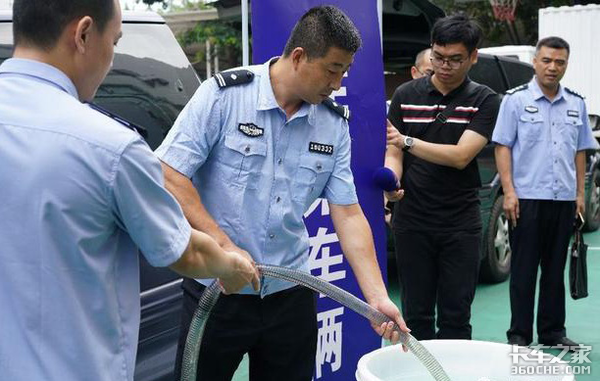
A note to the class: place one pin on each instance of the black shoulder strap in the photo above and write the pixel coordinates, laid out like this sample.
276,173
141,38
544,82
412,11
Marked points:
574,93
339,109
234,77
132,126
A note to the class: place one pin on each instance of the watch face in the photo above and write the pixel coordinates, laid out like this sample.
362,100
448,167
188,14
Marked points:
408,141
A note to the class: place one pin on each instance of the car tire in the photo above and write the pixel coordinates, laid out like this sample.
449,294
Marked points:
495,266
592,208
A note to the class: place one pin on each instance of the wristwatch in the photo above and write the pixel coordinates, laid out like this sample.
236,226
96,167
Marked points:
408,143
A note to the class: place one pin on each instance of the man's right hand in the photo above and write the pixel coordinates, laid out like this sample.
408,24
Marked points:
240,271
394,195
511,207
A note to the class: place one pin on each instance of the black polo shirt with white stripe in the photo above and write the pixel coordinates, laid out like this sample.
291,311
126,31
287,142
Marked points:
437,197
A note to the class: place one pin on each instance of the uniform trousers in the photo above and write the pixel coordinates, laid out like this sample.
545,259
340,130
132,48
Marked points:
438,269
540,239
279,333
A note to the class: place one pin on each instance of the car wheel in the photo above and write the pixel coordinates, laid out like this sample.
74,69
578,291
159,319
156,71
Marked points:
495,266
592,210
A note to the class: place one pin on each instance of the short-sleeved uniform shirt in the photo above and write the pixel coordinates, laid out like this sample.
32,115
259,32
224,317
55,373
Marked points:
544,136
256,171
80,192
437,197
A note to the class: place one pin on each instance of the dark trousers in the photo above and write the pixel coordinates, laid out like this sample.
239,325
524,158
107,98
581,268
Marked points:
279,333
541,239
438,269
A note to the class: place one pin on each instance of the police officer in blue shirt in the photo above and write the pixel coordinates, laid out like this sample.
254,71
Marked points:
247,156
542,133
80,192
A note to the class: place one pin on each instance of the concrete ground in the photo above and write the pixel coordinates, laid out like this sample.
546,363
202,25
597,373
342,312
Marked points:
491,313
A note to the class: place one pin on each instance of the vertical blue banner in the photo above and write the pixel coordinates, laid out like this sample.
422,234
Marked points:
343,335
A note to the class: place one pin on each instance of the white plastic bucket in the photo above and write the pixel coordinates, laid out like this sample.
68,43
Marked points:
464,360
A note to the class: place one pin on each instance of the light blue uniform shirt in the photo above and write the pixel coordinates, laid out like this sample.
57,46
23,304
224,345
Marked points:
254,169
544,137
78,193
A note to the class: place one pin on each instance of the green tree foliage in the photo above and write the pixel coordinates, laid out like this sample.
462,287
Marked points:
223,35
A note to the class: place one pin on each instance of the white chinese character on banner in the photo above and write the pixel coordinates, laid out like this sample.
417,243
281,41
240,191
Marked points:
325,260
329,341
318,202
320,256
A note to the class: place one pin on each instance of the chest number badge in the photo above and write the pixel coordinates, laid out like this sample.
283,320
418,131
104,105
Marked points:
251,129
325,149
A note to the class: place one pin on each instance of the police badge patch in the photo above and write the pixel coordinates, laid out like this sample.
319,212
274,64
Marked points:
325,149
251,129
531,109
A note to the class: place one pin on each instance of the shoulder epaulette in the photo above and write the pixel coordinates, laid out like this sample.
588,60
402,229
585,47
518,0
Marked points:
233,77
516,89
574,93
132,126
339,109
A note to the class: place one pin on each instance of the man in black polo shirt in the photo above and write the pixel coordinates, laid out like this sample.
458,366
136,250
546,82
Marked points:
437,125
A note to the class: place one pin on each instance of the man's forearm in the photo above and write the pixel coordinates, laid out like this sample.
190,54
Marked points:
451,155
182,188
357,244
580,173
393,160
504,165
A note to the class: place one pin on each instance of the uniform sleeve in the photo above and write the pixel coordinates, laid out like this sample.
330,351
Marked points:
340,189
145,209
195,131
394,114
484,120
586,138
505,132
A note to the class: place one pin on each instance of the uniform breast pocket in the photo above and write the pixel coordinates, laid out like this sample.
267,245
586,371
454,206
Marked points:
312,175
244,159
531,127
570,129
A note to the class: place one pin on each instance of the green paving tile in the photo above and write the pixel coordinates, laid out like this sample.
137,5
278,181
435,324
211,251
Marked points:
491,313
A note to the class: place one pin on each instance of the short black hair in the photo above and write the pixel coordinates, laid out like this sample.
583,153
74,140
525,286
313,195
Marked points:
41,22
458,28
554,43
321,28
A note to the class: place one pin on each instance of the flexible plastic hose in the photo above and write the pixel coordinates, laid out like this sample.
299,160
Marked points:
208,299
316,284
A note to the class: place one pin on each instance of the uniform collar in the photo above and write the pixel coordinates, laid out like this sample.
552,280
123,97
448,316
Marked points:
538,93
266,97
41,71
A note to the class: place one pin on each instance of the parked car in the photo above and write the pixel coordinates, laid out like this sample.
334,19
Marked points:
151,80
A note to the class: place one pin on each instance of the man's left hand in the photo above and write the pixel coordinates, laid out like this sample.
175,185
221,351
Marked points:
580,205
386,330
394,137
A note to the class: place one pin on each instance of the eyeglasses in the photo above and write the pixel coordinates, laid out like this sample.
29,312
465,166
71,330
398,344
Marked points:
453,63
426,72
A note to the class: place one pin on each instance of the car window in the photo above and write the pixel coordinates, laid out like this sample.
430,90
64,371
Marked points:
151,80
517,72
487,72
